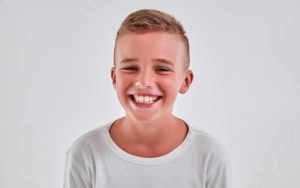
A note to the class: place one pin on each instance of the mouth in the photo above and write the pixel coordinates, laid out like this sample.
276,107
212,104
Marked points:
145,99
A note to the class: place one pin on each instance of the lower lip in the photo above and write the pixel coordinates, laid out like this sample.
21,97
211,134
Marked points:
143,104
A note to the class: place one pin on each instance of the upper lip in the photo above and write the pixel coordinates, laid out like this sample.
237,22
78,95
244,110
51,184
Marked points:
146,94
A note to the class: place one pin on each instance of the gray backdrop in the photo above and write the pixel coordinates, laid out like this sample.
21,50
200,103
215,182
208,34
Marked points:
55,60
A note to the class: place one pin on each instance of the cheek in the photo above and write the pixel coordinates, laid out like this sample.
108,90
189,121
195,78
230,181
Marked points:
123,80
169,85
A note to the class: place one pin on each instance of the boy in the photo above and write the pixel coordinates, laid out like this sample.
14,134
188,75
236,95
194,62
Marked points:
149,147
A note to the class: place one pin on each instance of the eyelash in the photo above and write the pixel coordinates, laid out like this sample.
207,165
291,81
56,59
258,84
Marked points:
130,69
162,70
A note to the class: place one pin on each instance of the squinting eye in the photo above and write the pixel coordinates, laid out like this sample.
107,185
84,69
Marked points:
162,69
130,69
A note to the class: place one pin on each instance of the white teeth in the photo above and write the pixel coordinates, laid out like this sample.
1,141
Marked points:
144,99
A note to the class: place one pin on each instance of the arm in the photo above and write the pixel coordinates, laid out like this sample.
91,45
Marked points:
219,175
77,172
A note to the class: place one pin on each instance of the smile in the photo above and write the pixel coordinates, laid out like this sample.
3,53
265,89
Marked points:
145,99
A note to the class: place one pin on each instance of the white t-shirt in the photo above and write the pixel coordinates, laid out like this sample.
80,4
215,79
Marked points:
95,161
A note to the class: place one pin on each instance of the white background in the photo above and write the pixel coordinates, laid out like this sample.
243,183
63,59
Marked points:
55,60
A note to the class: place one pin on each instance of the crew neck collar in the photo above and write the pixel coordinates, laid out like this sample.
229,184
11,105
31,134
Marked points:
145,160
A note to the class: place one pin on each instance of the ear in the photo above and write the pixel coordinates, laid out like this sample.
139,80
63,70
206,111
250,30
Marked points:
113,76
189,76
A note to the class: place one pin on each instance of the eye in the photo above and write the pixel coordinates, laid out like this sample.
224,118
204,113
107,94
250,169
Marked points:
163,70
130,69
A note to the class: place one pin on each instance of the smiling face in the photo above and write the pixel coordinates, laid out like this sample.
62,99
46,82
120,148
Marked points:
150,69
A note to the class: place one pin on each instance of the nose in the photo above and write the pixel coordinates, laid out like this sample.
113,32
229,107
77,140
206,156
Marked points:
144,79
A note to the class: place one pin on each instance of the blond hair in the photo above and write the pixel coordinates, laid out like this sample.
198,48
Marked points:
148,20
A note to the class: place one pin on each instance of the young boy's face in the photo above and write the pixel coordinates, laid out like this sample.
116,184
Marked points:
150,69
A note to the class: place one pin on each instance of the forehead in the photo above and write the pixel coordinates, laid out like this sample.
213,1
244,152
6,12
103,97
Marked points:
157,45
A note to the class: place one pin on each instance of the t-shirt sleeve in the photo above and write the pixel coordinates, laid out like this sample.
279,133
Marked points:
77,171
219,173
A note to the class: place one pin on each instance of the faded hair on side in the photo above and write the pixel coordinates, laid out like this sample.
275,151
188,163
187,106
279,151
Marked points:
149,20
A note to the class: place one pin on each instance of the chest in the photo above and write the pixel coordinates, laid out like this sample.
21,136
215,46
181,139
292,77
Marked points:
177,174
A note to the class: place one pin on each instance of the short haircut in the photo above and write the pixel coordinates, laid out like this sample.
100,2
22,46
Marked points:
149,20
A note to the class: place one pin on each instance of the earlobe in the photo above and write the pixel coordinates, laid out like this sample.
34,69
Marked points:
113,76
187,82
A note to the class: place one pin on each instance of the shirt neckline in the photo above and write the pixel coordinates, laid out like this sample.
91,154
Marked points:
145,160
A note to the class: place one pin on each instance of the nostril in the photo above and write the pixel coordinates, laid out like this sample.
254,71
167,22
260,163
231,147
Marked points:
140,84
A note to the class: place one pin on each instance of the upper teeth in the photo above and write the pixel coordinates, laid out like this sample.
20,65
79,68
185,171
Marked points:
145,99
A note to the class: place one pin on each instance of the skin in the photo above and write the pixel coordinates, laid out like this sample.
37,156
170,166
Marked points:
150,64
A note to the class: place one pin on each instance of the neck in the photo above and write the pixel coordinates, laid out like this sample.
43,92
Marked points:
150,133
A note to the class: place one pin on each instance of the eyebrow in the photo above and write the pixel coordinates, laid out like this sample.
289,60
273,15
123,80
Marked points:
161,60
128,60
157,60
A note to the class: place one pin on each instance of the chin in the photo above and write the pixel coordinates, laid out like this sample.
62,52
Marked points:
144,119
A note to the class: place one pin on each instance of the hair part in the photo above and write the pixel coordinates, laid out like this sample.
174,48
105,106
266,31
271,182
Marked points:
149,20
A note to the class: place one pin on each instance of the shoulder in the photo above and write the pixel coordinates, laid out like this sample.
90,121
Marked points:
88,142
212,157
208,145
210,150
